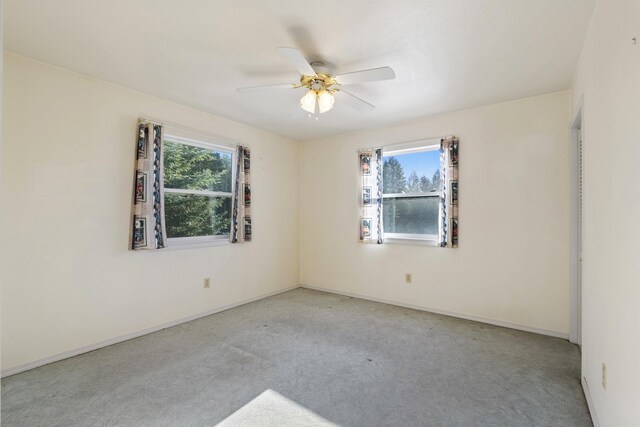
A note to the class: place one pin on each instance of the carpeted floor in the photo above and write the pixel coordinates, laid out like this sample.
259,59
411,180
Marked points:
351,362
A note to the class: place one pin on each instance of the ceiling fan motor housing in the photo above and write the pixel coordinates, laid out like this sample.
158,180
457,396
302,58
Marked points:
322,80
320,68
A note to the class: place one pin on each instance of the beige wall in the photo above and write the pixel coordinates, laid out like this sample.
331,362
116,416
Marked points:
607,81
512,265
68,278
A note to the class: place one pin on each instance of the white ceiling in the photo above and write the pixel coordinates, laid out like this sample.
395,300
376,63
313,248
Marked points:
447,55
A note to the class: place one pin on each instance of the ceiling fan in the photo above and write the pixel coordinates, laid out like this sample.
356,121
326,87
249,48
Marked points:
322,85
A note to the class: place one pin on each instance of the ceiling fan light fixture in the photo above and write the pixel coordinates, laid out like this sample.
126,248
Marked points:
325,101
308,102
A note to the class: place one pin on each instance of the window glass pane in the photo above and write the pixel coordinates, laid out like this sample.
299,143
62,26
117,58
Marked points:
411,215
192,168
189,215
411,173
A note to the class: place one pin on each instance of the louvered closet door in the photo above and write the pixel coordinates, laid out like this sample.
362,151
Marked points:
579,239
580,189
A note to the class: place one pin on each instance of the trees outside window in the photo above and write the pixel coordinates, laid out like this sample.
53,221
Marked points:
410,204
197,189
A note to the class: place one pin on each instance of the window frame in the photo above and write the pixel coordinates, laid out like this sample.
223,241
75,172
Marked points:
199,241
410,148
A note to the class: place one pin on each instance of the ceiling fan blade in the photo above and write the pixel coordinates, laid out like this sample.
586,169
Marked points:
296,59
372,75
355,102
267,87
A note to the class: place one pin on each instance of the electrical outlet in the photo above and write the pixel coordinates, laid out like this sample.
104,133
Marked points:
207,282
407,278
604,376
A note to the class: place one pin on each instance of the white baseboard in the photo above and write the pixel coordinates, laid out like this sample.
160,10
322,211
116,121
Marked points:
510,325
91,347
592,409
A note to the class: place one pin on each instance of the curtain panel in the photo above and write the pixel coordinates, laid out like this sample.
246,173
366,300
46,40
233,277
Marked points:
448,219
148,227
241,213
370,198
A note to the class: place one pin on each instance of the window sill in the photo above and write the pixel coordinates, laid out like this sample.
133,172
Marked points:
411,241
195,242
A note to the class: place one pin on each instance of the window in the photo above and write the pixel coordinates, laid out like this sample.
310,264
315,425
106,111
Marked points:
198,180
411,178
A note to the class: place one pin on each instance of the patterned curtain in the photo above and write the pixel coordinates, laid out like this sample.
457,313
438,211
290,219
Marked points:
370,164
448,222
242,198
148,228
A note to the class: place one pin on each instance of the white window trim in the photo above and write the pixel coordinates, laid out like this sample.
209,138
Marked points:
198,137
420,194
409,148
200,241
